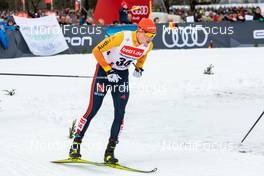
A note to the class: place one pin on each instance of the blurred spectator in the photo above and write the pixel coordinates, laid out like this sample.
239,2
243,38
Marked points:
257,15
68,20
89,21
156,20
115,22
101,21
129,17
201,14
11,25
123,13
62,20
8,24
241,16
216,14
82,19
3,38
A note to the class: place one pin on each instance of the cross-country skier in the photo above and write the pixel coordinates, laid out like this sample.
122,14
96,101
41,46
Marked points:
114,55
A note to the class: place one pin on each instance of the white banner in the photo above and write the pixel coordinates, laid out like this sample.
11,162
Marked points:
43,35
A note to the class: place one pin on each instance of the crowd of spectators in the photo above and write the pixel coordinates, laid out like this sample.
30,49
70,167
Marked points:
7,21
200,14
65,16
69,16
213,14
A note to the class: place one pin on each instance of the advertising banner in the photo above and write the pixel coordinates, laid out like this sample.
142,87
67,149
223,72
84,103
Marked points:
137,8
82,39
204,35
42,35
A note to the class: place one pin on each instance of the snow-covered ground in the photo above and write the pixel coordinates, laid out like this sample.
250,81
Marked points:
178,119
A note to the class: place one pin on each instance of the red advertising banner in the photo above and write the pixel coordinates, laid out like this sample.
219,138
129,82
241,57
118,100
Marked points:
108,10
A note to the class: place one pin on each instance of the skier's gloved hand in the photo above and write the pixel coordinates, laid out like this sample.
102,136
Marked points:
112,76
138,72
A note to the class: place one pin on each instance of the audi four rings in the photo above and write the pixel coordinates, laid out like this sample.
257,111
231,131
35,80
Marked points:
184,36
143,10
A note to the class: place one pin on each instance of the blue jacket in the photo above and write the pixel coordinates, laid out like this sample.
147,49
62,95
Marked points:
11,28
3,39
6,27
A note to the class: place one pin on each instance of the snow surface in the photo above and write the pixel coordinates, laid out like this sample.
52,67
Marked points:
178,119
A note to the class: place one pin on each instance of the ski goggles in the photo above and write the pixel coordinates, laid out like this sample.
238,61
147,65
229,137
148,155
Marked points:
147,34
150,35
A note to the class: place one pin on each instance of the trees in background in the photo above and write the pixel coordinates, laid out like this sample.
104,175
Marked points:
87,4
39,4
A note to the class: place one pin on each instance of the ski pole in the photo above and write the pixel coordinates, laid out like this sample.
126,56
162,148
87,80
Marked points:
47,75
252,127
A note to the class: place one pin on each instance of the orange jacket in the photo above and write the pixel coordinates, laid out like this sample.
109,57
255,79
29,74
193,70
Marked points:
115,41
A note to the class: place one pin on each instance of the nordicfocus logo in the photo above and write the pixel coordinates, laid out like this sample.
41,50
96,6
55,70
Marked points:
143,10
79,41
131,51
258,34
184,36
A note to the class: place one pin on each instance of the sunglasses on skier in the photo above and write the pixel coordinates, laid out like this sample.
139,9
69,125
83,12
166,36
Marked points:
148,34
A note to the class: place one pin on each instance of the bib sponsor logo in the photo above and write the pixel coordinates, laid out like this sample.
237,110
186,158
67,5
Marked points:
131,51
103,45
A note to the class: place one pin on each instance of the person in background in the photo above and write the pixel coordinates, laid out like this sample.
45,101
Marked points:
123,13
241,16
115,22
89,21
9,24
3,38
101,21
157,20
257,15
62,20
82,19
129,17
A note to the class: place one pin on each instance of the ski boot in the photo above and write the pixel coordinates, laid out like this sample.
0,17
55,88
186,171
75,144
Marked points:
109,157
75,151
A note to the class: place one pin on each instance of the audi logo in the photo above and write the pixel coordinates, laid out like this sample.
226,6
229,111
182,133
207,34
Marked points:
143,10
184,36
